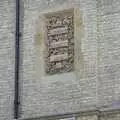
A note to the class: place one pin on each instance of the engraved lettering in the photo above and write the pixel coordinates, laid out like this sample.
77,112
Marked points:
58,57
59,44
58,31
58,65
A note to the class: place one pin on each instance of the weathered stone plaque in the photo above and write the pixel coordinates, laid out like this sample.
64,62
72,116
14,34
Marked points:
59,56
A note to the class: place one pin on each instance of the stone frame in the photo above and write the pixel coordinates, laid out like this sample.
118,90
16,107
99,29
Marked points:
59,42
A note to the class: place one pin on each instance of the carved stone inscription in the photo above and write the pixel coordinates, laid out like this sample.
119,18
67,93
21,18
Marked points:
59,42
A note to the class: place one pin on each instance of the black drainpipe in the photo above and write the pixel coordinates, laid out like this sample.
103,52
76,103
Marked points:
17,56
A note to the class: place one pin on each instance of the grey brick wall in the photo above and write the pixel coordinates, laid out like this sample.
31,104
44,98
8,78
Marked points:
60,93
108,52
7,28
110,117
96,80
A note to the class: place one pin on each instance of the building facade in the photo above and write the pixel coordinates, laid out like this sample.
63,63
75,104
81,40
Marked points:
69,59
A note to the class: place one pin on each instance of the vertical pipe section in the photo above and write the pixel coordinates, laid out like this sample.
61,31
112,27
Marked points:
17,56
